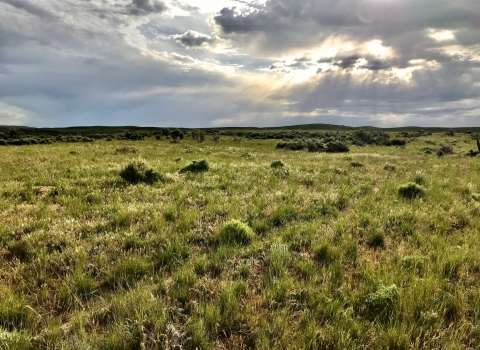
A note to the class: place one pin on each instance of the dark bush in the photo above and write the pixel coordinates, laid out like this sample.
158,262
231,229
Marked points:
3,142
138,171
336,147
277,164
411,190
448,149
126,149
396,142
133,136
176,134
196,167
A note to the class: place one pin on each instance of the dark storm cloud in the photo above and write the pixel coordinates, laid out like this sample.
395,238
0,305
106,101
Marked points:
230,22
192,38
347,62
30,8
144,7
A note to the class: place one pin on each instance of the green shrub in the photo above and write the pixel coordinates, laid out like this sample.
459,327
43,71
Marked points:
336,147
324,254
382,302
443,150
14,311
356,164
138,171
277,164
236,232
126,149
196,167
376,239
411,190
389,167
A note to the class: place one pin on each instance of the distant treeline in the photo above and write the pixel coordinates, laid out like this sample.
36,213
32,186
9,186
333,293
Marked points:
292,139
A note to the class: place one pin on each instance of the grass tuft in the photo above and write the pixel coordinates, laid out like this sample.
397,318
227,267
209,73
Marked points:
197,166
411,190
139,171
235,232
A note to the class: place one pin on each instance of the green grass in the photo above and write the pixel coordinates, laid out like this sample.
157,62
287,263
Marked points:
374,249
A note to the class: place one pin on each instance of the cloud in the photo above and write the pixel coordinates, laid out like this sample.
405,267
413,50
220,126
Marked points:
30,8
145,7
193,39
274,62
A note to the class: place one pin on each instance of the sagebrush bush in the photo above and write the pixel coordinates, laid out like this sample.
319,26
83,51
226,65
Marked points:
236,232
411,190
447,149
126,149
389,167
325,254
336,147
139,171
376,239
382,302
197,166
276,164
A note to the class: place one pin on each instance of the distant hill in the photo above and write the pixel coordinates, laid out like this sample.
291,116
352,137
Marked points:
303,127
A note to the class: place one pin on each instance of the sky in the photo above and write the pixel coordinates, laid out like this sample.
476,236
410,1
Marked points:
215,63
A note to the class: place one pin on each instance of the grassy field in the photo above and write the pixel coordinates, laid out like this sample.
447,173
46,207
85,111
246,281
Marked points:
328,251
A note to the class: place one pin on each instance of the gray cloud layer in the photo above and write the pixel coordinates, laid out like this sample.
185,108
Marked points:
131,62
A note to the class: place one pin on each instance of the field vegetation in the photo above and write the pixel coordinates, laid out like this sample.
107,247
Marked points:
222,239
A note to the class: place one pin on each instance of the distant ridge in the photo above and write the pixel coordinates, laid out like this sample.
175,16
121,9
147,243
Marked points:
304,127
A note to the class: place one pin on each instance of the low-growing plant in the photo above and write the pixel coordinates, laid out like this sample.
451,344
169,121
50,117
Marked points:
127,272
389,167
139,171
325,254
277,164
376,238
235,232
411,190
126,150
14,311
336,147
443,150
383,301
197,166
279,259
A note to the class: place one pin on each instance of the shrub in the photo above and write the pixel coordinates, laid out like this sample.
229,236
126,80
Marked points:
376,239
389,167
126,149
196,167
277,164
138,171
382,301
324,254
356,164
336,147
411,190
313,146
448,149
396,142
3,142
236,232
